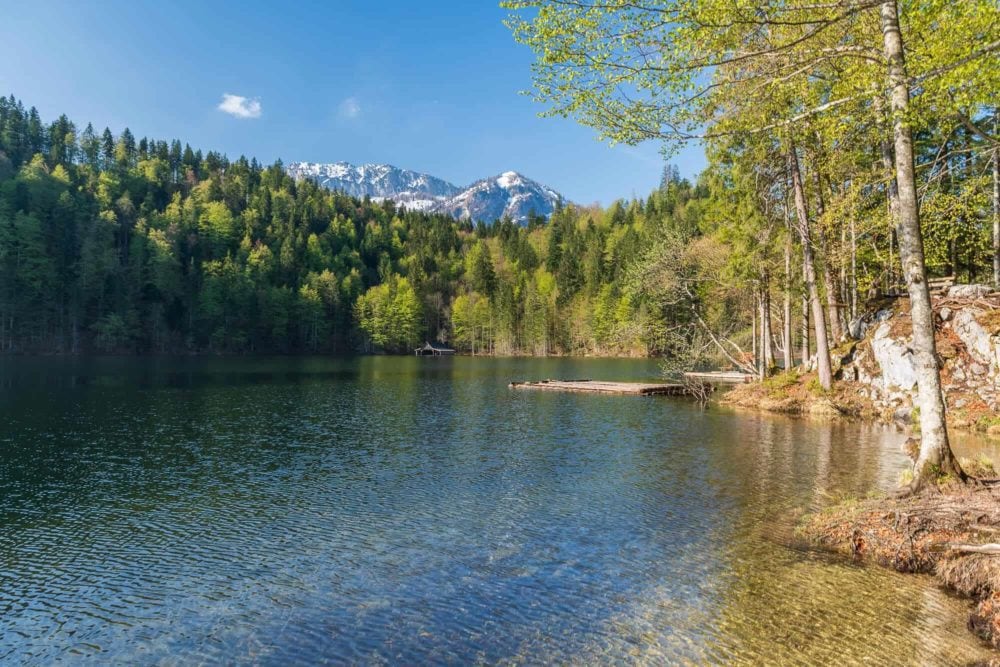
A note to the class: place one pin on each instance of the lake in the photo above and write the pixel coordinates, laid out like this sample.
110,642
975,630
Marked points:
388,510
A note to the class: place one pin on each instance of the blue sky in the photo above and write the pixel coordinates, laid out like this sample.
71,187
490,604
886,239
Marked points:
430,86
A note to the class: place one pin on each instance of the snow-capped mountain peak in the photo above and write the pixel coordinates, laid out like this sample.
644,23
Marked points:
508,195
508,178
379,181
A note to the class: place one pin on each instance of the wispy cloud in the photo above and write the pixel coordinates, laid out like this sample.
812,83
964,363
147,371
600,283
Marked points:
350,108
239,106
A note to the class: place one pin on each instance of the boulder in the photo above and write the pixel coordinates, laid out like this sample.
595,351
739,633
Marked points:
977,339
969,291
895,359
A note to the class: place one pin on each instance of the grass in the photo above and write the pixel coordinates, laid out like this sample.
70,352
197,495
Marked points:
979,466
815,388
776,385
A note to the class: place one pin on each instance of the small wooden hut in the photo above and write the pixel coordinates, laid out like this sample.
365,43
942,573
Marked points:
433,350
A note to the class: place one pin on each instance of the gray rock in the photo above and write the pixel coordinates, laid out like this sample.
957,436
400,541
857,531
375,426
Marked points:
857,328
903,415
977,369
968,291
945,313
977,340
960,403
895,359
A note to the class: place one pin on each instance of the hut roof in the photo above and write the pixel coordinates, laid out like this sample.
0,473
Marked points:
436,347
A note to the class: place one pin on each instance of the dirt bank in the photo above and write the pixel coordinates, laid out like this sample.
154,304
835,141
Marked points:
948,531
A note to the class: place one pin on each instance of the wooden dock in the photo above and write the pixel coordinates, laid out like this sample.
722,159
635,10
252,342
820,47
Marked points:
601,387
725,377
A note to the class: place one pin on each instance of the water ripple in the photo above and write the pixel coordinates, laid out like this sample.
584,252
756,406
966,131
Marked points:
383,511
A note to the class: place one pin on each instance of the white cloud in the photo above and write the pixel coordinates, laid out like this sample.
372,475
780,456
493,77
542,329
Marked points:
239,106
350,108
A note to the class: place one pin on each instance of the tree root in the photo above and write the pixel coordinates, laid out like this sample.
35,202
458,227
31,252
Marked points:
934,531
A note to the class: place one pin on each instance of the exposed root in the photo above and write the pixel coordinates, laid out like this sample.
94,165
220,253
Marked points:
951,533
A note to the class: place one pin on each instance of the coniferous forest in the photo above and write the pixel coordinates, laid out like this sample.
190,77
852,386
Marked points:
118,244
109,243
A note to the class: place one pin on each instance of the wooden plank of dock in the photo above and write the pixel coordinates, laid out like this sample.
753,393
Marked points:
732,377
601,387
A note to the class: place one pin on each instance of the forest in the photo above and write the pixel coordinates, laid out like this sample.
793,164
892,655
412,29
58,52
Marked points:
116,244
859,136
113,244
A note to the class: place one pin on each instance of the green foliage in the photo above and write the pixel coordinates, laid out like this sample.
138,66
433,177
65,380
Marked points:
816,388
122,245
390,314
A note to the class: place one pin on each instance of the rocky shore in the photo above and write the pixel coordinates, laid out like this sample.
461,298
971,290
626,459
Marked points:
951,531
875,373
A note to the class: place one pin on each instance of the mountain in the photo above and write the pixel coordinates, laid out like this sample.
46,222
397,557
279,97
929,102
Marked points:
508,195
379,181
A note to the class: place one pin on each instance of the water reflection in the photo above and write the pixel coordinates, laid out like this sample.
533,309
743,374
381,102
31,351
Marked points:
416,510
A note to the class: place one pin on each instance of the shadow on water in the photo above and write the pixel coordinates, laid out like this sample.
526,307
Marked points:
416,510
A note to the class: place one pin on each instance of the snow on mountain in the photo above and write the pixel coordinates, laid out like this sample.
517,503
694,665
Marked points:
508,195
378,181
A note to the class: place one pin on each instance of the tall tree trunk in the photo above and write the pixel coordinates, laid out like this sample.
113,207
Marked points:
996,201
765,325
854,270
808,263
843,296
756,343
891,189
935,456
832,311
786,325
804,335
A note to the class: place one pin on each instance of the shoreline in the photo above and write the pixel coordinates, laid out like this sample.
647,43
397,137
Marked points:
936,532
795,395
332,355
939,532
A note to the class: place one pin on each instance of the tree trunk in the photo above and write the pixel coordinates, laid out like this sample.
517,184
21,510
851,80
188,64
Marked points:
891,190
843,296
786,325
805,320
996,202
935,456
808,263
756,347
765,326
854,270
832,313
